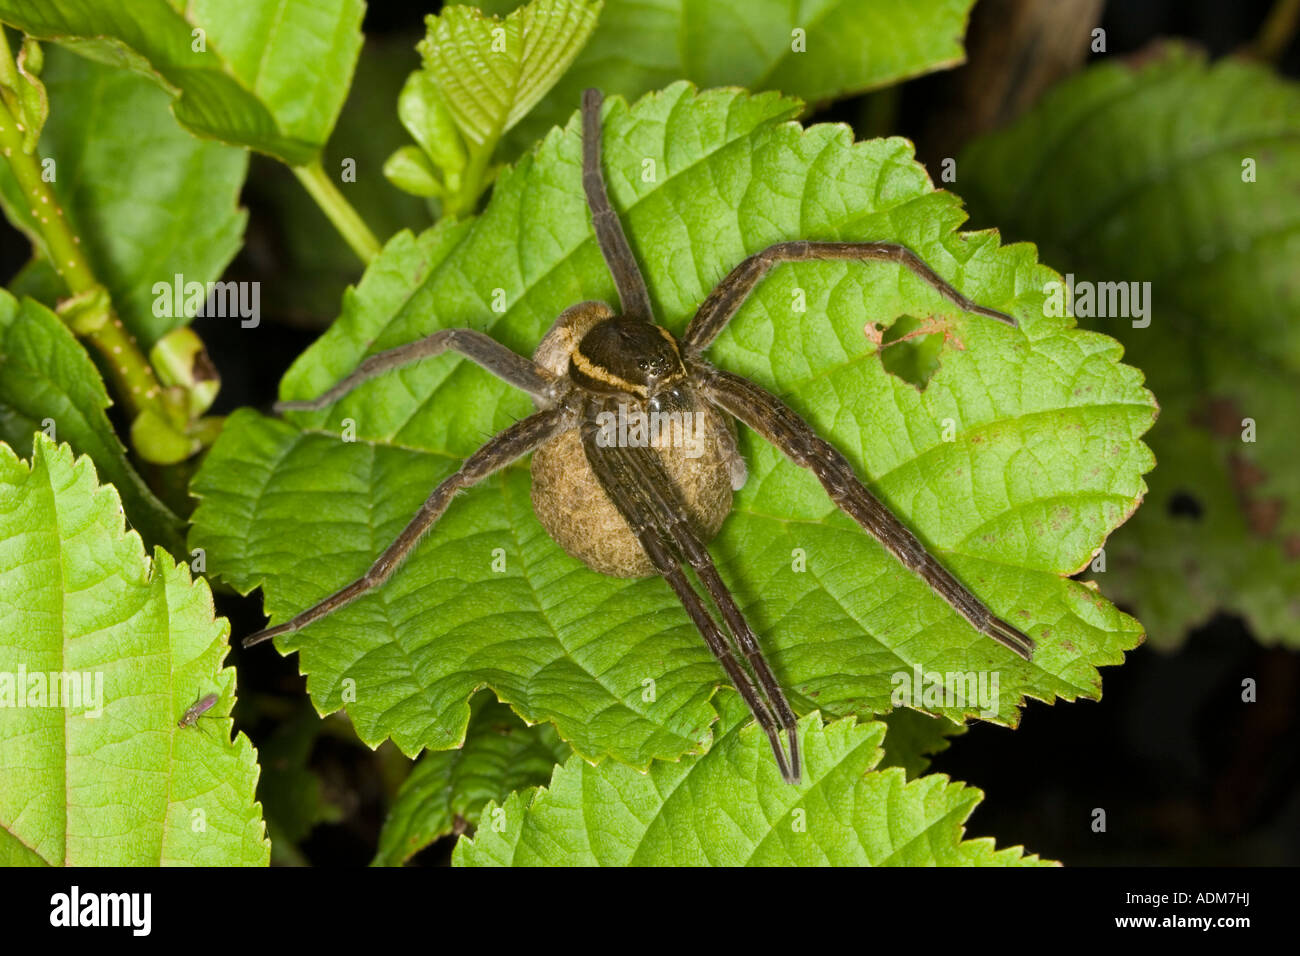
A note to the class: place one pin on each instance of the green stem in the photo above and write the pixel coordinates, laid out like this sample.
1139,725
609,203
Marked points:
1278,29
466,197
133,376
339,211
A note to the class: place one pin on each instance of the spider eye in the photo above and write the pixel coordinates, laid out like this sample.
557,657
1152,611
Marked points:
643,364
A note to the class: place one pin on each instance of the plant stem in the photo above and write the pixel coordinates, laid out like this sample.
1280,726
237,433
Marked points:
340,212
133,377
466,198
1278,28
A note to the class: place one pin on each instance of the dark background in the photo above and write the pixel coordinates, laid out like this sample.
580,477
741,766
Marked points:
1185,774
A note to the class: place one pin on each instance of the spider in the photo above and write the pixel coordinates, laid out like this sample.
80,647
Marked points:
634,508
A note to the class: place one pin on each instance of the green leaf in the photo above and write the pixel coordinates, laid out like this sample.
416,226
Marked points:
80,600
431,124
48,381
1044,458
148,200
491,72
410,170
850,46
447,790
730,808
1134,173
263,74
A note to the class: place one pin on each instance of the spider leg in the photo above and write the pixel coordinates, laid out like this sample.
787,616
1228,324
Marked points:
656,480
638,485
610,237
730,294
511,443
475,346
778,424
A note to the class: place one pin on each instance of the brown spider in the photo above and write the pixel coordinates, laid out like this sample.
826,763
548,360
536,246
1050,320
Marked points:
633,508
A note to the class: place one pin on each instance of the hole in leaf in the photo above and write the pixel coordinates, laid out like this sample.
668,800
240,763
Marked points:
1183,505
909,354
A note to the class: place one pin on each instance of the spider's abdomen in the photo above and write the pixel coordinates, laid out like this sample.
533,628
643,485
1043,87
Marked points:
574,509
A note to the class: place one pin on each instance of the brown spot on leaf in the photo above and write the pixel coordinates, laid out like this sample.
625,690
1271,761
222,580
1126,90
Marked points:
202,369
1061,516
1262,514
1245,473
1222,418
1219,416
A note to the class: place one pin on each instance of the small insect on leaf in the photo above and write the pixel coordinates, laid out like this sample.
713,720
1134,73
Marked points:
197,710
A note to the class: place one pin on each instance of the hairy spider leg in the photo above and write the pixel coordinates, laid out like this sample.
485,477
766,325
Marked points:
508,445
610,237
635,481
481,349
778,424
720,305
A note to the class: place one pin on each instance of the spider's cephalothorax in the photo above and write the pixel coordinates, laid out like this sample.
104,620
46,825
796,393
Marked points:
626,357
633,444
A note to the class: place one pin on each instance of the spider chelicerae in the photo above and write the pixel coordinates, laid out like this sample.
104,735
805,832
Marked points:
633,506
